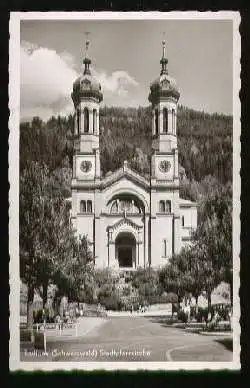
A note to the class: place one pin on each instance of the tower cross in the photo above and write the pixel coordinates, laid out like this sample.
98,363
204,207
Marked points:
164,60
86,60
164,45
87,42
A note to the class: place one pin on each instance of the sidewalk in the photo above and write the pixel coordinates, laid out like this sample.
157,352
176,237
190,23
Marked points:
84,326
134,314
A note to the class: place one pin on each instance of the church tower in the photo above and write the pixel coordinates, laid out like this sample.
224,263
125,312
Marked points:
165,217
164,96
86,97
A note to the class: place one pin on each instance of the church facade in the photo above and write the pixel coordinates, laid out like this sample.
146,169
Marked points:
130,221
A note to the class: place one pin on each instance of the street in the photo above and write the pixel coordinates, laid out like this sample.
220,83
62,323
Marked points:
133,339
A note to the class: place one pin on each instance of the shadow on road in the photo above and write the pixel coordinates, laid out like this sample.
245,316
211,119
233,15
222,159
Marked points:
226,342
163,321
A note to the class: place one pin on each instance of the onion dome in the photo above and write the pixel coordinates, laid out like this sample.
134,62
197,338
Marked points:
164,85
86,85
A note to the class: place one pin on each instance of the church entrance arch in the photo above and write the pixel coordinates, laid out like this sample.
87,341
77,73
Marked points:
125,246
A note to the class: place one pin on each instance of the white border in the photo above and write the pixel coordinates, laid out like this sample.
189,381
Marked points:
14,107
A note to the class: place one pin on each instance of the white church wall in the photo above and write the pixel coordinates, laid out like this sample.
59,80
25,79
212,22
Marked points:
161,230
85,226
101,241
188,224
189,217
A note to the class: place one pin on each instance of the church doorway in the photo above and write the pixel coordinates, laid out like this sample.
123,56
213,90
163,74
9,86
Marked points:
125,245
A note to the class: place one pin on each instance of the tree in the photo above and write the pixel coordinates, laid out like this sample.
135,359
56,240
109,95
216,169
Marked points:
32,191
146,281
213,238
171,279
47,240
70,275
190,269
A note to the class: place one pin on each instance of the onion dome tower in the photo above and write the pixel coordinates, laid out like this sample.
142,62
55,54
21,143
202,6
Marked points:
86,97
164,96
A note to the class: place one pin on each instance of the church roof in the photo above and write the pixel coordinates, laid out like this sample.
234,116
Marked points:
187,203
125,221
86,85
163,85
126,172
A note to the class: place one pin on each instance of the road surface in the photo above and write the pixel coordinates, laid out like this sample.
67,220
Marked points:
133,339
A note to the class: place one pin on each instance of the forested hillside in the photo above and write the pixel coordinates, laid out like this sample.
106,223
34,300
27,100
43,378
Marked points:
205,146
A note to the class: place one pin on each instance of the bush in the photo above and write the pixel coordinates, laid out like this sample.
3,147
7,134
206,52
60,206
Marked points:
192,312
202,314
182,316
223,311
170,297
43,315
39,316
25,335
211,326
112,302
39,341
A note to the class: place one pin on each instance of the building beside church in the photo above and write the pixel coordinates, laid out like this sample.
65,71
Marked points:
129,220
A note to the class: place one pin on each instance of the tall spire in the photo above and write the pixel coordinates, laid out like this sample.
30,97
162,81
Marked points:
86,60
164,60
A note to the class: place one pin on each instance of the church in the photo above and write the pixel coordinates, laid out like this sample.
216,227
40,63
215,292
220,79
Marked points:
130,221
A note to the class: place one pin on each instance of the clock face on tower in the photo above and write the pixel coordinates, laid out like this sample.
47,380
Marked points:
86,166
164,165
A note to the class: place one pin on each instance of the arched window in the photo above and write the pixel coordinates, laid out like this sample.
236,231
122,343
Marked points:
94,120
86,120
83,207
168,206
162,206
122,205
78,121
156,122
165,120
89,206
173,121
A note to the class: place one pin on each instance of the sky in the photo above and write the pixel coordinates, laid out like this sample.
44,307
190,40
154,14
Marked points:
125,58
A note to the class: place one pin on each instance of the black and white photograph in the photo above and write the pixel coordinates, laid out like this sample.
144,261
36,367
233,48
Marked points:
124,170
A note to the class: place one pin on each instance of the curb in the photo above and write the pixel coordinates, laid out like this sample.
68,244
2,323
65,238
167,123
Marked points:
216,333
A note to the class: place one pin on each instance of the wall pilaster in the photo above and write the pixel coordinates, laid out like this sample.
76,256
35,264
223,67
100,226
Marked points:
97,123
161,120
91,120
170,129
177,233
